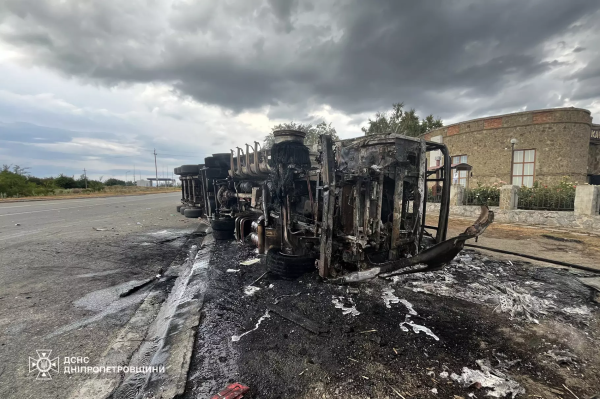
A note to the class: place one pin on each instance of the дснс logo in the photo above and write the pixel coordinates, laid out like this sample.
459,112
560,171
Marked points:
43,364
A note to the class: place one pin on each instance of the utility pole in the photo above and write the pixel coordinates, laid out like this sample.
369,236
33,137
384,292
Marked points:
155,167
134,173
85,177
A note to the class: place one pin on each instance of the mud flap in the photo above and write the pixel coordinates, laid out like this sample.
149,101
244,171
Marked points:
433,257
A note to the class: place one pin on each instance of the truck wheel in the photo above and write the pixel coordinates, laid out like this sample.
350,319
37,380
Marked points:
288,267
189,169
179,208
222,234
211,162
192,213
224,224
182,209
222,159
217,173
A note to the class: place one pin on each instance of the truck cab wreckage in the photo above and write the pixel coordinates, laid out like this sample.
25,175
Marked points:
352,208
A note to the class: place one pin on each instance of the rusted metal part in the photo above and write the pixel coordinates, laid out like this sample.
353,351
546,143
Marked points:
433,257
260,232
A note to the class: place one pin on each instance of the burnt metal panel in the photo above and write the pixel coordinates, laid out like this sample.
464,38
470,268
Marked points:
329,188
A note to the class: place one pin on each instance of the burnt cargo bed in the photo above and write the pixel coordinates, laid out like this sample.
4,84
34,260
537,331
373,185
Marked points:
526,330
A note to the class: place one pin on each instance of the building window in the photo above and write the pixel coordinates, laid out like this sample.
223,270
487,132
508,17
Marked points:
523,167
459,176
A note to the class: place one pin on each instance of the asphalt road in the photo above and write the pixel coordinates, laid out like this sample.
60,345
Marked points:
63,265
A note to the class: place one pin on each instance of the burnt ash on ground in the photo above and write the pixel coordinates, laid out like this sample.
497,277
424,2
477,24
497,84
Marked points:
370,354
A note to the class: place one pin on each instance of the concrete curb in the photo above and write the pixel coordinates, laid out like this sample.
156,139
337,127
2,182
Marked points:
160,334
175,353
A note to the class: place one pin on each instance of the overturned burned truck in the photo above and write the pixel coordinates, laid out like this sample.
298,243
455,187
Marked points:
351,208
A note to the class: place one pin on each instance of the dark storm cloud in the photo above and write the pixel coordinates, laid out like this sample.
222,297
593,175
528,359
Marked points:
357,56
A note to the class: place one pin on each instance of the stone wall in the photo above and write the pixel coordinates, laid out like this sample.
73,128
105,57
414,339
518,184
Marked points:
561,138
541,218
594,159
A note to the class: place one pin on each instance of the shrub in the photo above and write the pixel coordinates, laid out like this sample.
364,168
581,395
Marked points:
560,196
483,195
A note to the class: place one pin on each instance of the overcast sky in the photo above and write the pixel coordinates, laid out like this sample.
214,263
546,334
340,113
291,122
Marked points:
99,84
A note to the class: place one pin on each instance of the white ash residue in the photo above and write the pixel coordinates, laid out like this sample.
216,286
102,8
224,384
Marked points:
577,310
346,304
498,384
387,294
250,290
417,328
409,307
388,297
508,288
236,338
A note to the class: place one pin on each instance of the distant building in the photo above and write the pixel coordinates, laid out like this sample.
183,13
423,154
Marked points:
143,183
545,146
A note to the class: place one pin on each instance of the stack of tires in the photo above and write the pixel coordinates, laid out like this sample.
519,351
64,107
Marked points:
188,207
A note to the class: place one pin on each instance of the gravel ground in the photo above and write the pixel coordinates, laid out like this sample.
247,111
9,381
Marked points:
481,326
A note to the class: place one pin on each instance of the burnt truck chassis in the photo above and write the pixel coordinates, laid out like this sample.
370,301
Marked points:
353,208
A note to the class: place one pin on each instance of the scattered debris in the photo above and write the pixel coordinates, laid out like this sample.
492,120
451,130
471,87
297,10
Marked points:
137,287
572,393
233,391
17,224
417,328
259,278
550,237
236,338
346,304
498,383
139,223
250,262
250,290
444,374
98,229
300,320
278,299
232,270
562,357
434,391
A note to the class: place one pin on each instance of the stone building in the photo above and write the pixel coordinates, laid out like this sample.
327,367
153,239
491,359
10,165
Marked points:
543,145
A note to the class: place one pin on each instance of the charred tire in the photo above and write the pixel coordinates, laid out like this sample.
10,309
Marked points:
222,234
222,160
211,162
288,267
188,169
192,213
217,173
224,224
179,208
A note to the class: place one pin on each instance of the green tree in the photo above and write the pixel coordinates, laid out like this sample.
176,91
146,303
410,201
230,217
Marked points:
114,182
312,132
401,121
15,185
65,182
